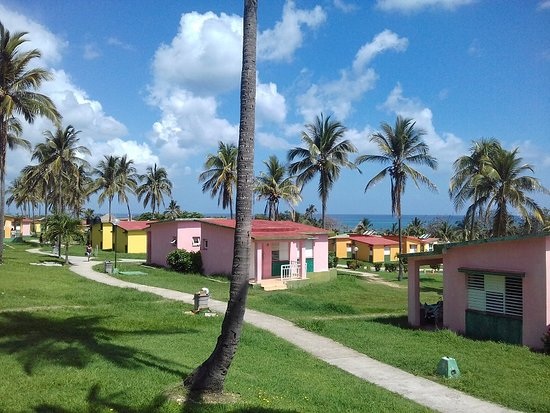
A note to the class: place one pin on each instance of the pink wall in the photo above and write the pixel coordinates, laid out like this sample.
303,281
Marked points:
528,255
217,258
161,234
320,253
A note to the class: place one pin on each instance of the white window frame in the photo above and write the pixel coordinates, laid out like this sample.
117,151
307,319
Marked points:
195,241
495,294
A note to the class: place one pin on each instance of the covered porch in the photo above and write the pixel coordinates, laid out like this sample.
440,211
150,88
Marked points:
414,262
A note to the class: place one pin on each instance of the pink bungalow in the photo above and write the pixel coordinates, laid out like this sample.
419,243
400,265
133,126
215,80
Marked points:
280,249
165,236
497,289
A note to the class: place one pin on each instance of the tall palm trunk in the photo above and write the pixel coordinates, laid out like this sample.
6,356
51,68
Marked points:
400,261
210,376
3,148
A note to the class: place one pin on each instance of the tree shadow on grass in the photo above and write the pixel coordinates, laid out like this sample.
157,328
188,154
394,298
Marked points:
35,340
99,403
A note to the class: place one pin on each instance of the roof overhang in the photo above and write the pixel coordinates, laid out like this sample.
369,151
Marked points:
485,271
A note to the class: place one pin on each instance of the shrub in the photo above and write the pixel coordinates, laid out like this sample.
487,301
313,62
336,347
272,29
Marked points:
390,267
352,264
546,341
185,261
332,260
377,266
435,267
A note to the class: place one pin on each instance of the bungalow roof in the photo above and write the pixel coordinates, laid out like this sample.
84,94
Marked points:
133,225
264,229
372,240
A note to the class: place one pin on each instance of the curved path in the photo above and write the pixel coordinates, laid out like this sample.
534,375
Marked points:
425,392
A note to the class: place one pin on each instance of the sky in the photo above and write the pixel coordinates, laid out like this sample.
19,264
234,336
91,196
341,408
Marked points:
159,81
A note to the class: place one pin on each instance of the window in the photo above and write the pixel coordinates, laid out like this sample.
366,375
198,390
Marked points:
498,294
205,244
196,241
412,248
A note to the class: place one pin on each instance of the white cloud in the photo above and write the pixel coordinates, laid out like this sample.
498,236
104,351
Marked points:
417,5
445,147
113,41
91,51
50,45
272,141
270,104
386,40
544,5
286,37
204,57
344,6
338,96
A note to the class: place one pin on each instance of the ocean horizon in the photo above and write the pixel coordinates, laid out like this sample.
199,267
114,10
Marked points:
380,222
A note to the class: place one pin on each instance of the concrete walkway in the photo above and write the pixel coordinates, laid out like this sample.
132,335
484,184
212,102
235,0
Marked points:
425,392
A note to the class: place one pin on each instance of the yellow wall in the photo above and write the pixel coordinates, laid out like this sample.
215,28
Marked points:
134,242
102,236
364,250
340,247
7,226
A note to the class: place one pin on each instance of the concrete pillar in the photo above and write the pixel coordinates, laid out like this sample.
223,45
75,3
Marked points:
413,293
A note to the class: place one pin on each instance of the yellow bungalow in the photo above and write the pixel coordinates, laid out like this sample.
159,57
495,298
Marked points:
412,245
131,236
102,235
340,245
373,248
8,224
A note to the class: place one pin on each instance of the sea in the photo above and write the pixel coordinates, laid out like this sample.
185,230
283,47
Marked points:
347,222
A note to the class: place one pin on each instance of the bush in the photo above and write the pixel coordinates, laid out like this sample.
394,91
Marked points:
352,264
390,267
546,341
332,260
377,266
185,261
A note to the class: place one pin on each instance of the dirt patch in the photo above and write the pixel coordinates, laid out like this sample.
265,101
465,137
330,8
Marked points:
180,395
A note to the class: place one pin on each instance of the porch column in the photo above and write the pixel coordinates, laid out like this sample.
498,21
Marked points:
259,262
303,264
413,293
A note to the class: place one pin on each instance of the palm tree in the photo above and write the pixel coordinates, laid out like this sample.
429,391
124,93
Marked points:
363,226
220,176
106,181
274,185
126,177
173,210
415,227
467,169
325,153
65,228
14,135
59,160
155,184
505,184
443,230
210,376
18,85
399,147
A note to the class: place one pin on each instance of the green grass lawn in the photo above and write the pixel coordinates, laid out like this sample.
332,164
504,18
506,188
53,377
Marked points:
71,345
371,318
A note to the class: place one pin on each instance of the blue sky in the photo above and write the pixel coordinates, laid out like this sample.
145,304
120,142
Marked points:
159,81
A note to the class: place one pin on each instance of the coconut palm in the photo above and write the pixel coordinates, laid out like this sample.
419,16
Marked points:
415,228
504,185
400,147
467,169
106,180
210,376
64,228
155,184
15,129
363,226
220,176
275,185
173,210
18,96
60,161
325,153
126,177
